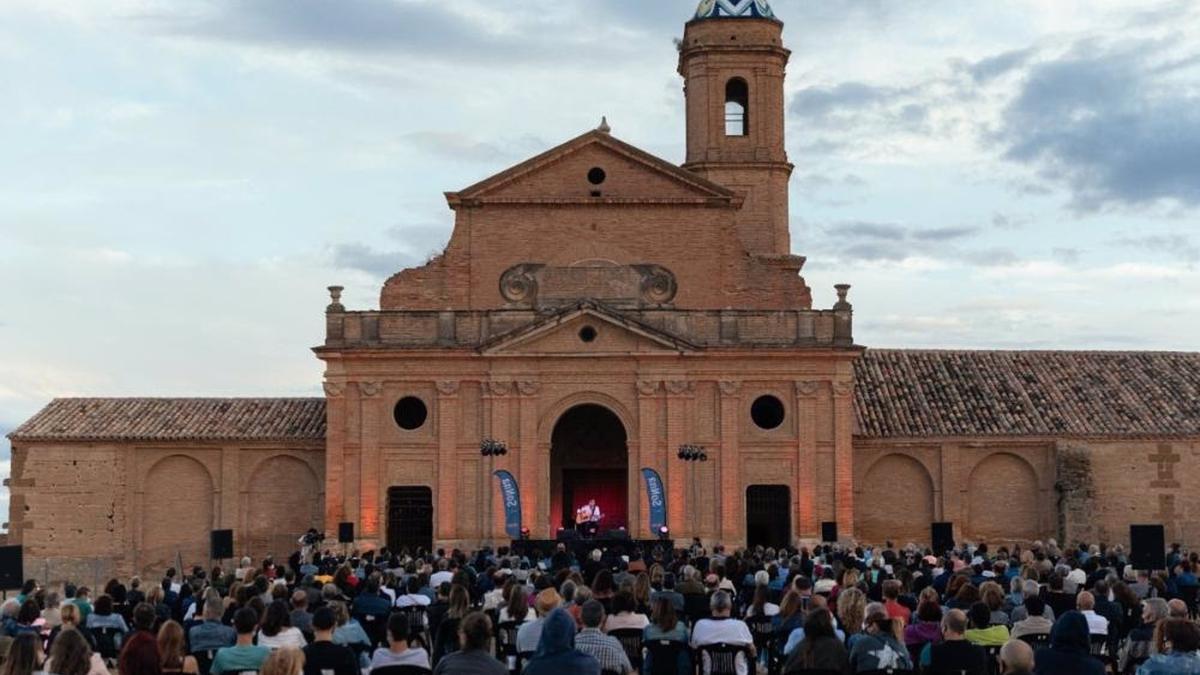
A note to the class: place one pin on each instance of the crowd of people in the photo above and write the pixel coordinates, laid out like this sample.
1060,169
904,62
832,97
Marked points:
1038,609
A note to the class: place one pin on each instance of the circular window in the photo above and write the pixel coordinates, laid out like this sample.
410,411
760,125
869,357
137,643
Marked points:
587,334
596,176
767,412
410,413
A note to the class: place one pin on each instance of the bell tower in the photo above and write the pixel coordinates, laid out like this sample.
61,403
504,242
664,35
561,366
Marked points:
732,61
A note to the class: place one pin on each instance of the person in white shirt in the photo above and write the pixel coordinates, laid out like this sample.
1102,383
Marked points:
517,609
1097,625
722,628
414,597
625,614
277,630
443,575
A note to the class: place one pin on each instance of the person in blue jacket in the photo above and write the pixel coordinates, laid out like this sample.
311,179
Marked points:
1069,650
556,651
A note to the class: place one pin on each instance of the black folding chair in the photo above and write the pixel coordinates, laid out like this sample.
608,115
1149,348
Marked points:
664,656
506,645
722,658
695,606
375,626
1036,640
631,641
418,625
204,659
762,629
400,670
993,659
106,641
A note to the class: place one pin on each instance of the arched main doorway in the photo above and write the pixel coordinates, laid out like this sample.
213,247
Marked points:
589,459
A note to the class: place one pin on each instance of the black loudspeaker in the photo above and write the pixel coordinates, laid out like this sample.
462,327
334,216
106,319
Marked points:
221,544
1148,547
829,532
617,534
942,537
567,535
345,533
12,568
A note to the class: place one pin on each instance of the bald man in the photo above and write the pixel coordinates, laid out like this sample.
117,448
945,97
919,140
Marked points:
1016,658
1177,609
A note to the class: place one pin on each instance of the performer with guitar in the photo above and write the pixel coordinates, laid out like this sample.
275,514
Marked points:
587,519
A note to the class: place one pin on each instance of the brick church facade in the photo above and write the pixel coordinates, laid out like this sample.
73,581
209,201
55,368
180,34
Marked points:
596,310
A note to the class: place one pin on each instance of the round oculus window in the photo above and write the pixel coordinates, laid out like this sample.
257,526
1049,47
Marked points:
410,413
596,176
587,334
767,412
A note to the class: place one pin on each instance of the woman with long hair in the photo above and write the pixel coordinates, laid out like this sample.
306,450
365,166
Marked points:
851,610
24,655
284,661
172,651
665,625
820,649
277,631
641,592
446,640
517,608
71,655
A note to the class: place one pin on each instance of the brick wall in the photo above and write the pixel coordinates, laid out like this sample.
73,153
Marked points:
84,510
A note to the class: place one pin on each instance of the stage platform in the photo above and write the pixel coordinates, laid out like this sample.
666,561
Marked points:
582,547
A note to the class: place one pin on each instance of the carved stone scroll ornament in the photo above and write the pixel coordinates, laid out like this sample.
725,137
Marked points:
843,388
334,390
529,388
730,387
447,387
520,283
369,389
658,284
647,387
807,388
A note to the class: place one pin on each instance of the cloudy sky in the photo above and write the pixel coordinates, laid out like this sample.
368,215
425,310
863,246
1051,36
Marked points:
182,178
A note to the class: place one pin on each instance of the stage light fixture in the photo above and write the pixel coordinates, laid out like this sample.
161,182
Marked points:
489,447
524,532
664,532
692,453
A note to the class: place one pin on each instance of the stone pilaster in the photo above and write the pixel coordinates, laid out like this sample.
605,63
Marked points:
495,404
650,447
335,469
732,495
370,461
843,456
807,523
683,522
448,410
529,464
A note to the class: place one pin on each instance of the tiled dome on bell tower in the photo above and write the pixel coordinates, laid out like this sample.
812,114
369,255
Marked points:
716,9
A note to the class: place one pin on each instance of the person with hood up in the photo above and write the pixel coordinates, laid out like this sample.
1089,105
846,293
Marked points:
556,651
1069,650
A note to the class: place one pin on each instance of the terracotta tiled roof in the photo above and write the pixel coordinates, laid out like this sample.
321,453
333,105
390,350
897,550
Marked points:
176,419
904,394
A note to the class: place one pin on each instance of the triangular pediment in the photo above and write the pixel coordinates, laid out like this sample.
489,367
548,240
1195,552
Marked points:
568,173
586,330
